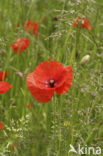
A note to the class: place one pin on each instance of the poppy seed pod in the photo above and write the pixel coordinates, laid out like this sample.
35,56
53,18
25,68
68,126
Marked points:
85,59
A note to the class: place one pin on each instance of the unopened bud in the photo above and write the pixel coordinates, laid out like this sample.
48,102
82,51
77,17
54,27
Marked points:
85,59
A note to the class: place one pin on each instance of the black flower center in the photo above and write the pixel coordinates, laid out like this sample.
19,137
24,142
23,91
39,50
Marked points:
51,83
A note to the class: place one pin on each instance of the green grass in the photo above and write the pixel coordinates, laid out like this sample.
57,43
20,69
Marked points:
72,118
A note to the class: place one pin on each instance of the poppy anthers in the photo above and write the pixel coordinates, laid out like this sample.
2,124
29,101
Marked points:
1,126
4,86
49,76
20,45
83,21
32,26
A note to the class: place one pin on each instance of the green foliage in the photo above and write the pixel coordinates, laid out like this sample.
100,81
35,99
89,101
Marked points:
73,118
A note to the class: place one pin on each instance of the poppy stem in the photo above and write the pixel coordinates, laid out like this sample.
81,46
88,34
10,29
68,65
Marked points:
77,41
54,118
60,117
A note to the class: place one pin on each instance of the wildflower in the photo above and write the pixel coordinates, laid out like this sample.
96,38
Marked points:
66,123
49,76
3,75
20,45
85,59
32,26
30,106
1,126
76,23
82,21
4,86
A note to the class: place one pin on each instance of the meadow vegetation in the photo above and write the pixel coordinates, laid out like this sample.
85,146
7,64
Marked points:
32,128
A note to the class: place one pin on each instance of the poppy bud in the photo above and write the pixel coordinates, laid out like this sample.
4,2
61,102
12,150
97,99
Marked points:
20,74
85,59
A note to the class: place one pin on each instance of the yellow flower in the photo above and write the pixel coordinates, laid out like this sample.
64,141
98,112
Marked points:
66,123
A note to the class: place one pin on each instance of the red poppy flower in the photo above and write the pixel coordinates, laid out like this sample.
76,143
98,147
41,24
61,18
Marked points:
49,76
82,22
20,45
76,23
86,23
4,87
3,75
30,106
32,26
1,126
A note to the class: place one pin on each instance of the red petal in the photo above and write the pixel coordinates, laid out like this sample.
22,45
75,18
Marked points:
89,26
74,25
68,81
78,19
83,25
86,24
47,70
15,47
0,123
24,44
30,25
30,106
3,75
35,27
4,87
42,95
1,127
21,44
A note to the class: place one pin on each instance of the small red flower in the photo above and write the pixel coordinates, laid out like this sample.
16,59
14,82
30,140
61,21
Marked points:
32,26
20,45
30,106
86,23
82,22
3,75
49,76
4,87
1,126
76,23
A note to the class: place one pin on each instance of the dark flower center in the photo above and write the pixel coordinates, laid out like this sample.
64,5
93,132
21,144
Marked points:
51,83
